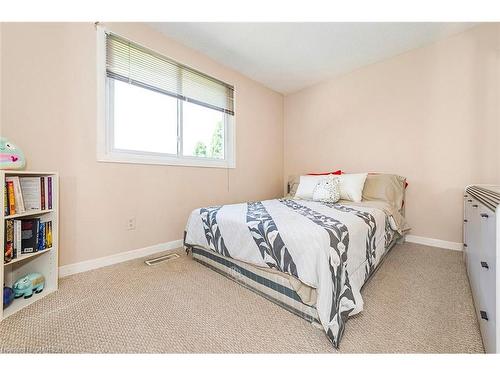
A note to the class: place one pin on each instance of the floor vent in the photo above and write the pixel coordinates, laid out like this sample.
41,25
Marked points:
163,258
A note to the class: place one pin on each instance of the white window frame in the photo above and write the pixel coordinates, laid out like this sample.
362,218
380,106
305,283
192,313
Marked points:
105,145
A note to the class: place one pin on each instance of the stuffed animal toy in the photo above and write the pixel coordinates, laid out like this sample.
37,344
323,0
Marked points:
26,285
11,156
8,296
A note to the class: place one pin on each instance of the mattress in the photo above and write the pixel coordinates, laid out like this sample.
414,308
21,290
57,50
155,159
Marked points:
332,248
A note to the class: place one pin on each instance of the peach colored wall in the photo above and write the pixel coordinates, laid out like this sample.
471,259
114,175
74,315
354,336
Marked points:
431,114
49,110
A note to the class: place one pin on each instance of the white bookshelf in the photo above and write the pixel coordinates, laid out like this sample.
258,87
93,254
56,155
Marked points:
44,261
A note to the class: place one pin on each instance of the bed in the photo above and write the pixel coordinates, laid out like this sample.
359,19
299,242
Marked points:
311,258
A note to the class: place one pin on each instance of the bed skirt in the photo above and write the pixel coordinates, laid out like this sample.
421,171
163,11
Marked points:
270,285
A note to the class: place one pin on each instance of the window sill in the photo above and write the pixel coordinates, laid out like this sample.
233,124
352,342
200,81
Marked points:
162,160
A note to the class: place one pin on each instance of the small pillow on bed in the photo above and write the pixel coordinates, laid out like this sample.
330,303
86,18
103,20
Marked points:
337,172
306,187
351,186
327,190
385,187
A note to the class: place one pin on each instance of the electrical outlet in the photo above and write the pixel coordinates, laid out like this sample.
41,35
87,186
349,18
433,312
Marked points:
131,223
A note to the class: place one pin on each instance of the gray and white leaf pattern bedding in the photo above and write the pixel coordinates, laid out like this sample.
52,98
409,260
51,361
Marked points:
268,239
331,247
215,241
370,238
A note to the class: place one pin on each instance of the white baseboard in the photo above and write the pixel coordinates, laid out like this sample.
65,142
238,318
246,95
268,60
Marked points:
92,264
458,246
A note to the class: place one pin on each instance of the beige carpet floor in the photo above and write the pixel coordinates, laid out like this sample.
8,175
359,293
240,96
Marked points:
418,301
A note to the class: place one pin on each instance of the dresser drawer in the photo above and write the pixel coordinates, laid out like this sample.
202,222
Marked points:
488,282
487,225
481,211
486,308
466,226
481,266
472,241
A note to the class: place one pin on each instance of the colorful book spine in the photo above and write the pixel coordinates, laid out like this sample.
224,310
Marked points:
17,238
49,192
42,188
8,254
41,236
18,195
11,197
6,200
49,234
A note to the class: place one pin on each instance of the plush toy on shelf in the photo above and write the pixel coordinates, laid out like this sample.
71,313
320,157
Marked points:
8,296
26,285
11,156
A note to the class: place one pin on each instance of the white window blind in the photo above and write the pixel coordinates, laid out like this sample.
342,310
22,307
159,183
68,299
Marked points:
132,63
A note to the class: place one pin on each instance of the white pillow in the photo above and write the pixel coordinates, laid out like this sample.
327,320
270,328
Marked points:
351,186
327,190
306,186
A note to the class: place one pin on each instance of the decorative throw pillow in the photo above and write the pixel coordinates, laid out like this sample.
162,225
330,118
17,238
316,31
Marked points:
306,187
337,172
327,190
389,188
351,186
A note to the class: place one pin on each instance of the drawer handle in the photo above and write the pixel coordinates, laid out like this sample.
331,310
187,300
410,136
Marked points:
474,205
465,245
483,315
465,220
485,265
484,215
469,200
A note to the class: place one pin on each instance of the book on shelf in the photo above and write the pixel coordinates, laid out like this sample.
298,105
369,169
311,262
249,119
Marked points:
8,254
17,200
49,191
43,192
26,236
26,193
11,197
17,238
41,236
29,235
32,192
6,200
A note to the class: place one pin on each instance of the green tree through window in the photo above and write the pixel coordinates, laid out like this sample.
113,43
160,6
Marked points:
216,149
217,144
200,149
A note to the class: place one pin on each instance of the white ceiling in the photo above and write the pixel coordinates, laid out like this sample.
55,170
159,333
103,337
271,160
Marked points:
290,56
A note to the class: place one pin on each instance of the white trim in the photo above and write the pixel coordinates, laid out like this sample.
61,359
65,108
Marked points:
105,151
230,140
142,158
101,90
458,246
92,264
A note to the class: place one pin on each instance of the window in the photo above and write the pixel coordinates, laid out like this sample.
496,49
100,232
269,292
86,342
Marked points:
157,111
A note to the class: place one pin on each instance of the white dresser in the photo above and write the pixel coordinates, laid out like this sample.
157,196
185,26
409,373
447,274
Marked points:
482,253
